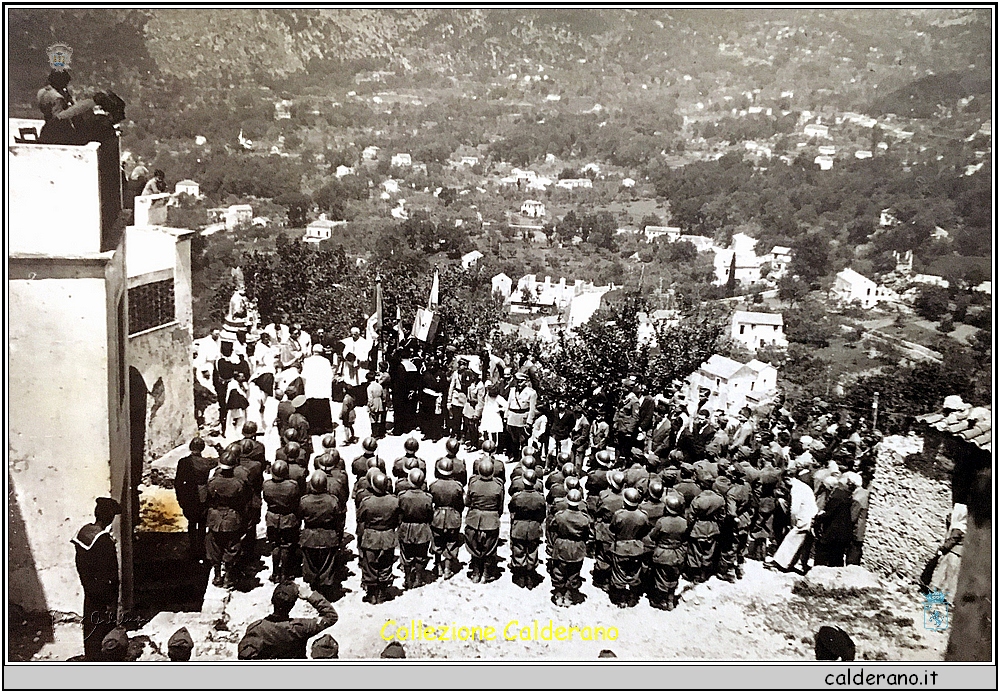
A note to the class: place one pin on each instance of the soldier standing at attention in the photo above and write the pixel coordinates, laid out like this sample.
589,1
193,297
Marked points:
527,512
399,467
449,502
321,536
484,499
282,520
629,526
669,541
379,513
97,566
458,473
416,509
227,497
570,531
611,501
191,489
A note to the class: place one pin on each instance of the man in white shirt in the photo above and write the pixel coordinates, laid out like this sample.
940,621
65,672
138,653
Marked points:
317,373
797,545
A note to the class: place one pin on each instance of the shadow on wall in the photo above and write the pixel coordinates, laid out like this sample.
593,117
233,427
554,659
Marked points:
29,625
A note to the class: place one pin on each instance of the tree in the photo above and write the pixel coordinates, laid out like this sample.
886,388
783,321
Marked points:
731,280
809,323
682,350
298,207
650,220
810,256
931,302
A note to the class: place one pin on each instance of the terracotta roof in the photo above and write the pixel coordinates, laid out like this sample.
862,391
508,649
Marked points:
972,424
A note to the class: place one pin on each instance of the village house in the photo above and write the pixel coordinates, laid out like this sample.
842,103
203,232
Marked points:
853,288
402,160
344,171
370,153
755,330
321,229
501,284
187,187
930,279
471,258
283,110
700,243
781,257
573,183
825,163
731,385
532,208
653,232
469,160
863,154
815,130
231,217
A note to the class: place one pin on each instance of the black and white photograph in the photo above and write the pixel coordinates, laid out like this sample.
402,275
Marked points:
502,334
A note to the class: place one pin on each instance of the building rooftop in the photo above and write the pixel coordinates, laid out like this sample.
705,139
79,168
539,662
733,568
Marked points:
969,423
721,366
851,276
758,318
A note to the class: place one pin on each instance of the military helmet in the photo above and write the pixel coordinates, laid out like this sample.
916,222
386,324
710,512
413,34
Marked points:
291,434
246,446
571,483
528,462
484,467
616,480
369,444
329,441
411,463
452,446
416,477
228,458
372,463
489,446
568,469
444,467
411,445
632,497
655,488
323,461
563,458
380,483
279,469
574,497
674,502
603,458
292,450
529,476
317,482
334,457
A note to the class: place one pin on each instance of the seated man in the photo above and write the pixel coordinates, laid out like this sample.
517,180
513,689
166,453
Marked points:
89,120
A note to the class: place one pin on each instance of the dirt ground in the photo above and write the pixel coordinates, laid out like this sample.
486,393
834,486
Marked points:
764,616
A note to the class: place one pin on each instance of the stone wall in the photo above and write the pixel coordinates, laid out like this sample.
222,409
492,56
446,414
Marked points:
163,357
906,515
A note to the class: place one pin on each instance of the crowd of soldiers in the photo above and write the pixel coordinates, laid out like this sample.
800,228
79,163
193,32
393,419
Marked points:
689,499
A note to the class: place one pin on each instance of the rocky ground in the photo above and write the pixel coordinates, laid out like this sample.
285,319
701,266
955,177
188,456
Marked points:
765,616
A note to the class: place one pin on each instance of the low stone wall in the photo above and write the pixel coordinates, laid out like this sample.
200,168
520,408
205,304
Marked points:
906,515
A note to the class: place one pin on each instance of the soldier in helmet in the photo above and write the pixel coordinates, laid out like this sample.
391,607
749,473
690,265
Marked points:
337,485
517,482
227,497
570,531
361,463
527,460
484,499
399,467
282,495
329,442
449,502
256,449
459,473
416,508
321,536
611,501
190,486
652,504
251,470
687,486
379,513
499,471
557,490
668,538
97,566
564,467
629,526
736,533
597,481
527,512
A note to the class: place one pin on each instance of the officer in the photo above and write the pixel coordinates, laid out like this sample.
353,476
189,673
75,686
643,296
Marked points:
527,512
629,526
281,637
704,516
360,465
282,520
669,538
459,472
191,489
611,501
416,512
484,499
399,467
379,513
571,530
97,566
739,515
449,502
321,537
227,497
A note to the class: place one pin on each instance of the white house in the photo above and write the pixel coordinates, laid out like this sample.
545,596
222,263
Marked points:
827,150
747,266
825,163
532,208
814,130
732,385
470,160
863,154
984,288
370,153
781,257
754,330
391,186
321,229
188,187
344,171
700,243
283,110
851,287
469,259
653,232
402,160
502,284
932,279
573,183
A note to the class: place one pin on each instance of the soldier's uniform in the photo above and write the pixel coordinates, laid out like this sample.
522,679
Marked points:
359,467
321,539
449,502
629,528
597,481
191,489
571,529
399,468
527,512
298,472
668,539
653,508
97,566
688,489
517,485
405,484
611,501
380,516
459,472
484,500
416,509
227,497
705,513
282,522
252,470
637,476
278,637
762,530
499,471
739,514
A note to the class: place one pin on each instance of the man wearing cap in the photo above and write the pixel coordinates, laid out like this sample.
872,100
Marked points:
279,636
97,566
227,497
521,402
416,510
527,512
324,647
317,374
571,530
180,646
449,502
191,489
